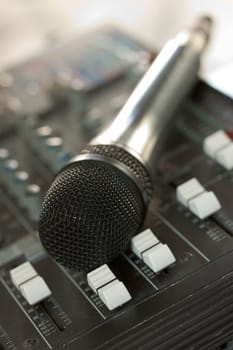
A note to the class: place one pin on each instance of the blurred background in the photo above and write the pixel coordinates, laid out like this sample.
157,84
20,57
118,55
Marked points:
27,27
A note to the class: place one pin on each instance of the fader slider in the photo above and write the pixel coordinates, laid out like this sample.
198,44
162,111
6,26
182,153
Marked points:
156,255
110,290
219,147
29,283
200,202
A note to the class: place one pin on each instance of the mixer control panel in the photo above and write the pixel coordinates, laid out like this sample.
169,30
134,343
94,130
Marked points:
172,288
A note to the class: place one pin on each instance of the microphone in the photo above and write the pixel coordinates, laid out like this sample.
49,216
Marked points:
98,201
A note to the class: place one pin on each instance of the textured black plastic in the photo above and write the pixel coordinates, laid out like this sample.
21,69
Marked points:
89,214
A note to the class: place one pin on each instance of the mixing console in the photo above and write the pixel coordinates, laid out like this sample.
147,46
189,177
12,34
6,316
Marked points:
173,287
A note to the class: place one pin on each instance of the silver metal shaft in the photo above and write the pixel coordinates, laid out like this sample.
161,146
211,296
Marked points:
161,90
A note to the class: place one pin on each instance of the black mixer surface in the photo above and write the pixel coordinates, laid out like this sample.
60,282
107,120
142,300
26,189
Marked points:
50,107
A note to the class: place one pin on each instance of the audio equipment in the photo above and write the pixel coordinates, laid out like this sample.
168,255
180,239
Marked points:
99,200
172,286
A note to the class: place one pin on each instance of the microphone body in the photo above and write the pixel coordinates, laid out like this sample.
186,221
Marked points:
164,86
98,201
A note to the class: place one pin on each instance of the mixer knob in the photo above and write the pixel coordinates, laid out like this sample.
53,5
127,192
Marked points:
200,202
9,169
29,283
110,290
219,147
33,200
156,255
20,183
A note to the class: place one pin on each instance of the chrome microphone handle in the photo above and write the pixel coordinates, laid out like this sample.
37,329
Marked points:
164,86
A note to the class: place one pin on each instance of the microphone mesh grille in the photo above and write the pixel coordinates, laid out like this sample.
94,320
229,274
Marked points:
118,153
89,214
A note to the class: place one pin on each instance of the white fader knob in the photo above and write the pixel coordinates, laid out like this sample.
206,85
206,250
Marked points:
143,241
225,156
204,205
110,290
156,255
189,189
214,142
159,257
200,202
219,147
35,290
29,283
